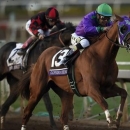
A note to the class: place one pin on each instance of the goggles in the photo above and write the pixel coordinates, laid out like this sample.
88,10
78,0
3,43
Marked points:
51,20
105,17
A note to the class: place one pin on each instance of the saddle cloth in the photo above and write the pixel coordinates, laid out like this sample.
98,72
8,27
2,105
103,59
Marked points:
57,65
59,69
14,60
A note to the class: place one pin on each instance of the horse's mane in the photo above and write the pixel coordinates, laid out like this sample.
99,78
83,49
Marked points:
68,25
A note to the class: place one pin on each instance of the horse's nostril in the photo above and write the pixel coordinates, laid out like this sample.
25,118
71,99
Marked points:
128,41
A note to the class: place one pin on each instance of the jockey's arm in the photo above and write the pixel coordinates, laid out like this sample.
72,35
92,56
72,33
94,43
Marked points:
90,28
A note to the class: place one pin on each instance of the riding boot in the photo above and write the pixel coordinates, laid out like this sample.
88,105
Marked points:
25,45
71,51
74,49
70,54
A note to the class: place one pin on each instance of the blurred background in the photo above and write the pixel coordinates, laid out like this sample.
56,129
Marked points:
15,13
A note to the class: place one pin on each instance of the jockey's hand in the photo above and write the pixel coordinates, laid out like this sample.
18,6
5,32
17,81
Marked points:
105,29
41,36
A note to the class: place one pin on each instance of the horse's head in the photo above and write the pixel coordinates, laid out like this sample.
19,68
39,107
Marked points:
65,34
124,30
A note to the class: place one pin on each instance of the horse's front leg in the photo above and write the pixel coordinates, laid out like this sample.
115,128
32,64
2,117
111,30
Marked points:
67,101
10,100
96,95
117,91
5,107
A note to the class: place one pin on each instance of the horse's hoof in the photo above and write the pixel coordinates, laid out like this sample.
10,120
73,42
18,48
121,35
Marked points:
23,127
117,123
2,122
113,125
66,127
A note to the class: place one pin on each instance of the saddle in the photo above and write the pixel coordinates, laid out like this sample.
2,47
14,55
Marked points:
16,61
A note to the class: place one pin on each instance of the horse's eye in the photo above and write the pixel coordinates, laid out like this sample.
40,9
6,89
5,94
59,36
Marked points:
123,29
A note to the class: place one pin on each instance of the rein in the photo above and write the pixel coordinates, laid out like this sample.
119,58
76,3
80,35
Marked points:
49,36
116,44
59,35
61,40
57,32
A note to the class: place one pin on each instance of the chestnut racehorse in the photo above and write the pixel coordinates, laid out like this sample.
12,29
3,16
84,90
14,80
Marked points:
95,72
60,36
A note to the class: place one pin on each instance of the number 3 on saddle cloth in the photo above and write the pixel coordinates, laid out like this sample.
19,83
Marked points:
60,68
60,63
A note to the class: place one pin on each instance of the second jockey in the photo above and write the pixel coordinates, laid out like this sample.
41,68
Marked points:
39,25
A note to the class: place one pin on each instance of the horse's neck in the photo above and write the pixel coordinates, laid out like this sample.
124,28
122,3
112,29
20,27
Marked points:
67,40
105,48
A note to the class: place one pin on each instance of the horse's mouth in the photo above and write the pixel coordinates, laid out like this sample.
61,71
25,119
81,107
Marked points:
127,40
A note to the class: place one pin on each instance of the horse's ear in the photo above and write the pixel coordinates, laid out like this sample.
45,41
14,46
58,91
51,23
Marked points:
119,18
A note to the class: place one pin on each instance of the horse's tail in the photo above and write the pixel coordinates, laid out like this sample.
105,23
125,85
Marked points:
24,84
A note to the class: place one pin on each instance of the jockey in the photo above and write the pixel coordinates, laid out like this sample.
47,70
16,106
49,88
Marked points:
39,25
92,24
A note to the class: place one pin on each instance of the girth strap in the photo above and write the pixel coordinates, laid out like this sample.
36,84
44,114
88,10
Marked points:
72,80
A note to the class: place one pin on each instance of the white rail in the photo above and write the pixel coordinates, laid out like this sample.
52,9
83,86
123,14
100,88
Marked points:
123,63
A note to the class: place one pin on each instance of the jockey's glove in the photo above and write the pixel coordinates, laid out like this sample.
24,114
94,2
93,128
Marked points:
105,29
41,36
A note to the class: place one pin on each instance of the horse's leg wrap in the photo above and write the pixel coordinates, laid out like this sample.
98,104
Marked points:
107,116
2,120
66,127
23,127
111,122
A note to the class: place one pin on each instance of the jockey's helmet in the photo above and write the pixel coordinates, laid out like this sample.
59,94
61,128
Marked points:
104,9
52,13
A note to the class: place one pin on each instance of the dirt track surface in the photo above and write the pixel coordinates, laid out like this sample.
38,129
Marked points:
13,122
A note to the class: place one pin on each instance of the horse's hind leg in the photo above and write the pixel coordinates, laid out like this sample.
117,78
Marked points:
10,100
49,108
67,104
117,91
67,101
37,89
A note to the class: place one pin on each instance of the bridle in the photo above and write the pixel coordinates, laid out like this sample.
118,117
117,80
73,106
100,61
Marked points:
116,43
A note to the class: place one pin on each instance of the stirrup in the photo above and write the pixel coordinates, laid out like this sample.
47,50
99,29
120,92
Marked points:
67,59
21,52
70,53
